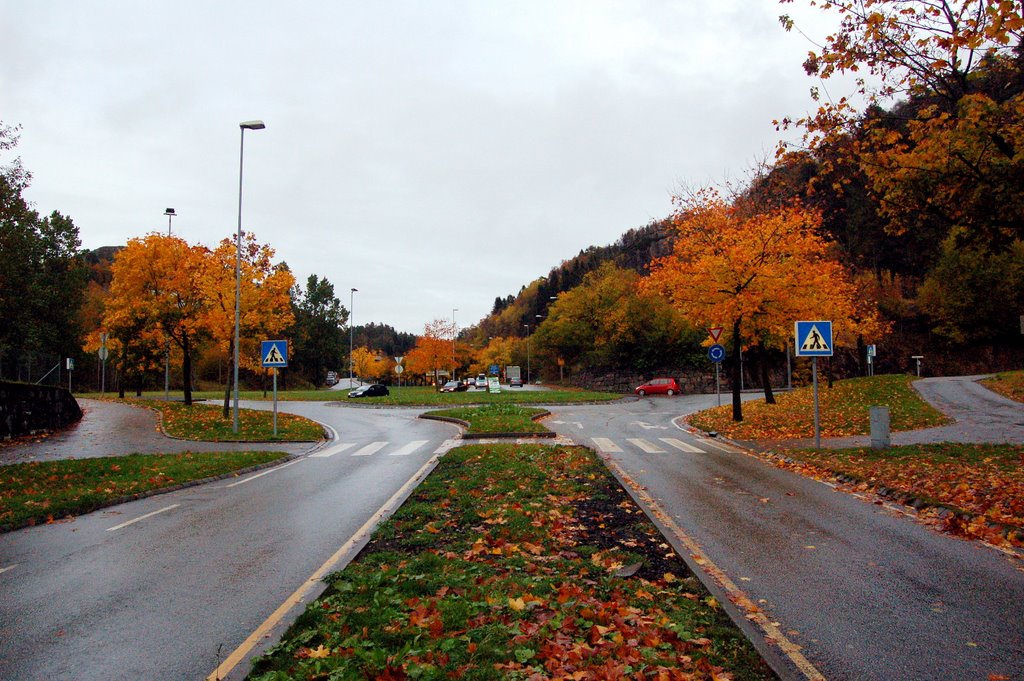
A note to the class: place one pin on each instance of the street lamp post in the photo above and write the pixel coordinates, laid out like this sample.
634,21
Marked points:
528,381
169,212
243,126
351,317
455,335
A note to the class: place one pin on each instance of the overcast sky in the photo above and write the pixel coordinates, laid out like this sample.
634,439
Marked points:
433,155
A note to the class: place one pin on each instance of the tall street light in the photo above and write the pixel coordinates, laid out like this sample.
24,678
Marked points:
245,125
169,212
351,318
527,354
455,335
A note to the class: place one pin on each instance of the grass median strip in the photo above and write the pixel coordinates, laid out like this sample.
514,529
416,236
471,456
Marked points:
1008,384
44,491
845,410
497,418
515,561
206,423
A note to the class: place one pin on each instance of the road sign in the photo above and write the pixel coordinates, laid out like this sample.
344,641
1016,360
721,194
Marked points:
493,370
715,332
274,353
399,368
103,353
716,353
814,339
398,360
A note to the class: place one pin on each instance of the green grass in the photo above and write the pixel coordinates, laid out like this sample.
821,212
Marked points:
1008,384
497,418
43,491
501,566
206,423
845,410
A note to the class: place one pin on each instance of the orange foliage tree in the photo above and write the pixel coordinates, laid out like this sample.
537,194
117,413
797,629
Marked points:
372,364
756,273
433,350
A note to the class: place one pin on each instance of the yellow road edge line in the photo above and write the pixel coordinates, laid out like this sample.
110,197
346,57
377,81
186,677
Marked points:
240,653
735,594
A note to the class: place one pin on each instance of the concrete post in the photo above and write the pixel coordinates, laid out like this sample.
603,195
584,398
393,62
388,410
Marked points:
880,428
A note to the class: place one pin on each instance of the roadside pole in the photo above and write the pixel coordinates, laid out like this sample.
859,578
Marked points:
275,401
814,340
716,353
274,354
817,414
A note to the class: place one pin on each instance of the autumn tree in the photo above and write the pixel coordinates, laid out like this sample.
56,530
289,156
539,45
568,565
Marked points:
433,350
372,364
756,273
265,306
158,291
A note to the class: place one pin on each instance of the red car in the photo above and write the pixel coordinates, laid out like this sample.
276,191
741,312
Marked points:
656,386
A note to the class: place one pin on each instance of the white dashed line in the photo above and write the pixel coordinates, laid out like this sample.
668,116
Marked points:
142,517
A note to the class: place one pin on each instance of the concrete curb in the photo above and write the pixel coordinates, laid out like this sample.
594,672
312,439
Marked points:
491,436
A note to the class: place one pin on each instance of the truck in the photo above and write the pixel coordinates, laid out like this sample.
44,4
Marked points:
513,376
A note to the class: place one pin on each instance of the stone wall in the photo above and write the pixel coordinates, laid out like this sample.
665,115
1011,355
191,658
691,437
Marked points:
27,409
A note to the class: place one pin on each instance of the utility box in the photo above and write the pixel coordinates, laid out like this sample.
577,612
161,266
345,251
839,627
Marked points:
880,428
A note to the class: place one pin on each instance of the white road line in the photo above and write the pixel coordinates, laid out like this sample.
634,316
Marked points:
724,448
9,567
142,517
447,446
371,448
680,445
336,449
606,445
648,447
409,448
266,472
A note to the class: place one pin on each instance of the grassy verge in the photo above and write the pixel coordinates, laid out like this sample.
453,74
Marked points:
411,396
985,481
504,564
497,418
1008,384
206,423
844,411
44,491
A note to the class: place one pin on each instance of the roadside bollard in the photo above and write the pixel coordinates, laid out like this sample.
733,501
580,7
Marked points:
880,428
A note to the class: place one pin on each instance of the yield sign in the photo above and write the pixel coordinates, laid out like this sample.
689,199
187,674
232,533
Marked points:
715,332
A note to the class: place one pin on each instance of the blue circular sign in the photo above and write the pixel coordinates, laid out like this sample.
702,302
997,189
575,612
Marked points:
716,353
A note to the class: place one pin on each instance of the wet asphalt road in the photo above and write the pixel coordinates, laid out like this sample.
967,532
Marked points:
863,590
172,594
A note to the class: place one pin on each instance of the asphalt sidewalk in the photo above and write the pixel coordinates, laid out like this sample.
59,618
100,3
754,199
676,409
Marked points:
112,429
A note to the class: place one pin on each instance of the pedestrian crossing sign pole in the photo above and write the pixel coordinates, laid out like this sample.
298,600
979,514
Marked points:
274,354
814,340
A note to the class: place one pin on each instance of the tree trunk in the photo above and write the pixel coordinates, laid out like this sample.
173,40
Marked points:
737,403
122,373
762,360
186,368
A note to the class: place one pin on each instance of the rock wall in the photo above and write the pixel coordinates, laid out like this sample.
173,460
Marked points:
27,409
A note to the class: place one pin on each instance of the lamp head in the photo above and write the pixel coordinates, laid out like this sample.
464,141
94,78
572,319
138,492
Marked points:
252,125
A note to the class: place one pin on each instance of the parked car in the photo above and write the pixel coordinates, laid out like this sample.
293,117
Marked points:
515,382
481,381
371,390
454,387
658,386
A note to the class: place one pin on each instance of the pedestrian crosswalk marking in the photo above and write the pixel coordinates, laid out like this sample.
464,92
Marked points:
648,447
409,448
335,449
680,445
605,445
371,448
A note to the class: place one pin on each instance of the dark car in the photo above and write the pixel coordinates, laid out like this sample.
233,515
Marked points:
372,390
454,387
655,386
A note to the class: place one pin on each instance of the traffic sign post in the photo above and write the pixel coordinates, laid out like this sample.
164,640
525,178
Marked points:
275,355
716,353
814,340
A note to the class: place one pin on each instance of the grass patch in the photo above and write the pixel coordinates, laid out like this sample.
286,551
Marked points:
497,418
844,411
44,491
1008,384
986,481
502,566
206,423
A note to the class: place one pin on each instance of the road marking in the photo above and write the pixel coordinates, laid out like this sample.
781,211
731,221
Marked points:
336,449
700,560
648,447
142,517
606,445
266,472
409,448
680,445
339,560
447,446
371,448
9,567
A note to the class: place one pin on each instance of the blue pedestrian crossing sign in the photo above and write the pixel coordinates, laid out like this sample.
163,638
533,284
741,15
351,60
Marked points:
814,339
274,353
